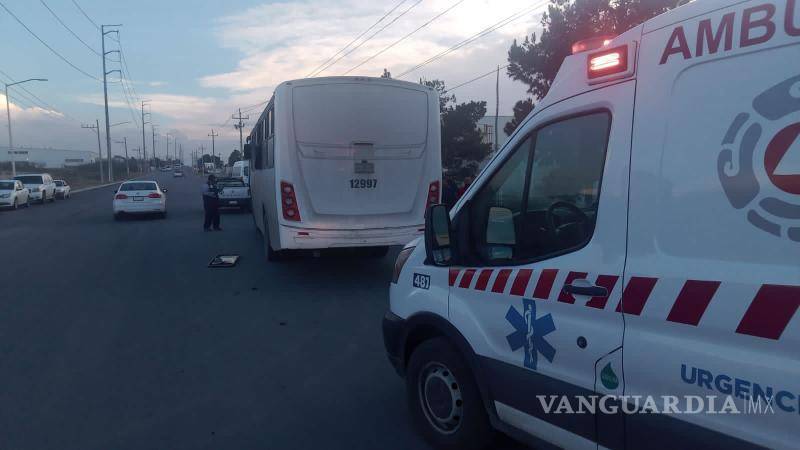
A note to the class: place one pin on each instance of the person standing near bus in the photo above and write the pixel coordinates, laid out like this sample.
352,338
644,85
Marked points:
211,204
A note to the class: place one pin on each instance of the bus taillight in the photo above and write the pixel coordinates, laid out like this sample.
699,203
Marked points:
289,202
433,193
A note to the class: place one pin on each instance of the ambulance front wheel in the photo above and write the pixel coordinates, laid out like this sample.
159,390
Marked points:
444,400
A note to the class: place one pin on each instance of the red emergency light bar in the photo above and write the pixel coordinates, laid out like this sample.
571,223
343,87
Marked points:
608,62
591,44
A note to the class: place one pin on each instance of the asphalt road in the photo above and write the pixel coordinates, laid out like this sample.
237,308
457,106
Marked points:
116,335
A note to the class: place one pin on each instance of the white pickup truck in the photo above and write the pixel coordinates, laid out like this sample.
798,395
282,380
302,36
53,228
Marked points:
233,193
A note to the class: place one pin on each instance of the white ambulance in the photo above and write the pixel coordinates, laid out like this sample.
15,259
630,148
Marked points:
635,244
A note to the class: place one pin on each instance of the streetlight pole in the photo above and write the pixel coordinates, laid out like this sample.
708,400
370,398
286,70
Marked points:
213,136
8,115
144,142
96,128
167,154
127,164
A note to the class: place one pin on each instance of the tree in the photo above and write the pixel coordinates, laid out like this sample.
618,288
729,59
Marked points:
236,155
535,62
521,111
462,147
444,97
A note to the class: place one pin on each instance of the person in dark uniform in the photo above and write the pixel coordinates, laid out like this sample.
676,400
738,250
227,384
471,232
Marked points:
211,204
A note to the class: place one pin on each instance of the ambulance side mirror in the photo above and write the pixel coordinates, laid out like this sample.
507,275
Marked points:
437,235
501,236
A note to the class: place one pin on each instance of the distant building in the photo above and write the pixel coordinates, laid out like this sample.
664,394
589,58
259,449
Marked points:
486,127
49,158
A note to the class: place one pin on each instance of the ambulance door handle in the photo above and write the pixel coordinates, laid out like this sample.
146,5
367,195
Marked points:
589,291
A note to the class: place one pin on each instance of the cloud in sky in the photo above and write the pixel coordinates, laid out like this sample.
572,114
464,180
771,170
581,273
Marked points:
287,40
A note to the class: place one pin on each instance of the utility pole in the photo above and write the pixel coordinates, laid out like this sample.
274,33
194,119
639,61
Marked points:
144,142
239,127
96,128
213,137
11,153
166,155
153,127
497,114
103,34
127,165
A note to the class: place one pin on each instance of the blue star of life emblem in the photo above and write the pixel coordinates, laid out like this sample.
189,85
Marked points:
530,333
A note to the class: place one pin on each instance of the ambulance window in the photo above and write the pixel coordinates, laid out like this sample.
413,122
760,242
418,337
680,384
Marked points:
563,193
504,190
543,201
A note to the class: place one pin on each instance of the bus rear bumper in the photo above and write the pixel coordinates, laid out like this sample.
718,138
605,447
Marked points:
310,239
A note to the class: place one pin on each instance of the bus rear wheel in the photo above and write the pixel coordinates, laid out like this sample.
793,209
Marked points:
271,255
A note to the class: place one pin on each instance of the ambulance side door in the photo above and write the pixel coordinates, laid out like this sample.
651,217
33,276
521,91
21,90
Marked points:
543,244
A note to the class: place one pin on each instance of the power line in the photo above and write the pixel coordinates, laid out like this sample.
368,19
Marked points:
507,21
406,36
349,52
127,70
85,15
48,46
69,29
474,79
313,72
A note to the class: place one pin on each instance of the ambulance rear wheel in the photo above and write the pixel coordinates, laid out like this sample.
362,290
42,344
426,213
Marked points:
444,400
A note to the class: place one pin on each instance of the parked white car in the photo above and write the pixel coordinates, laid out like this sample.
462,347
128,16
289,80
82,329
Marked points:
41,186
140,197
13,194
63,190
178,173
233,193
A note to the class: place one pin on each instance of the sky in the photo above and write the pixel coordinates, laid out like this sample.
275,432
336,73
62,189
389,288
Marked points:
197,61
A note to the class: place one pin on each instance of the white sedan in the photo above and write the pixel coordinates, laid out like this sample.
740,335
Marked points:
63,190
140,197
13,194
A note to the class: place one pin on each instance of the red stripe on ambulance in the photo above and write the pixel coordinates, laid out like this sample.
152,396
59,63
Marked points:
466,279
566,297
545,284
636,294
453,276
770,312
501,280
521,282
692,301
607,281
483,279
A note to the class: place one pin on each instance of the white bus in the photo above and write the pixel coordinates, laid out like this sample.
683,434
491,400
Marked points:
345,162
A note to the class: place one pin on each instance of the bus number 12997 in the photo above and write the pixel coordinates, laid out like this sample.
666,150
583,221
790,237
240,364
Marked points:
363,183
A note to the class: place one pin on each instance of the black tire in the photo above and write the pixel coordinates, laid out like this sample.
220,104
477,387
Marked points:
444,400
15,206
117,216
269,253
44,197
